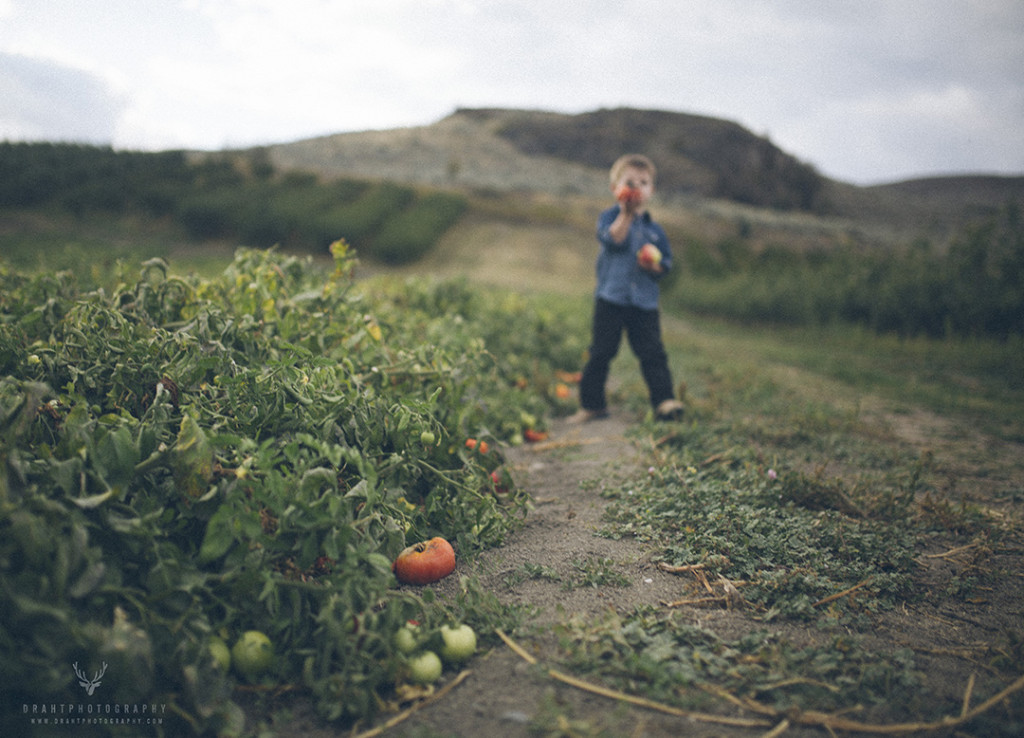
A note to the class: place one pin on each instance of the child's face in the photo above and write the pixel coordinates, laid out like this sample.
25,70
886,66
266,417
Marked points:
639,180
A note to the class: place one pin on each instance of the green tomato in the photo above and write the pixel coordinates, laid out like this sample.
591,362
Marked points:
220,652
425,667
459,643
252,655
407,638
427,438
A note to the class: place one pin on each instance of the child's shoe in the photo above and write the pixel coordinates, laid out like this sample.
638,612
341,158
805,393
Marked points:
585,416
669,410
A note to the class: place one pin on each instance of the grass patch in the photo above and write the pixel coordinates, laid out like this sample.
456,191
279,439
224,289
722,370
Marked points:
780,499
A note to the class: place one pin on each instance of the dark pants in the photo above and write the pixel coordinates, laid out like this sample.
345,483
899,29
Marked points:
643,331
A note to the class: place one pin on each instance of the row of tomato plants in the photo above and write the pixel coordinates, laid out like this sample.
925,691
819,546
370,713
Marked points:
185,460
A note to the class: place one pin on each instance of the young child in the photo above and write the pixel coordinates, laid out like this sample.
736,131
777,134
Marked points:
626,298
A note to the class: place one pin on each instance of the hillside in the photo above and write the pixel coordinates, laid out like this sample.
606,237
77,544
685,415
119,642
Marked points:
535,150
506,150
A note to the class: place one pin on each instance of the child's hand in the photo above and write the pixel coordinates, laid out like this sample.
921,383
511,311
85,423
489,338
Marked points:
649,258
629,197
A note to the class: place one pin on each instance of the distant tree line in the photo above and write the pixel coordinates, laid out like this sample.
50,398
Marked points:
972,287
237,198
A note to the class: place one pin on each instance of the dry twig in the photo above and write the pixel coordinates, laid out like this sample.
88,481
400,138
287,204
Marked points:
697,601
406,714
777,730
519,651
967,696
652,705
684,569
952,551
845,592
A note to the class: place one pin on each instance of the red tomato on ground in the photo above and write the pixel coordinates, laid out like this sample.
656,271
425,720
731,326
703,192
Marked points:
533,436
425,562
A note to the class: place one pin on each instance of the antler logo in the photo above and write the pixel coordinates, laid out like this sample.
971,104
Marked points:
89,684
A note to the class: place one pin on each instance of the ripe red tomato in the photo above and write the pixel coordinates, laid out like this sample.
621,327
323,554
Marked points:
481,446
628,195
649,256
502,481
533,436
425,562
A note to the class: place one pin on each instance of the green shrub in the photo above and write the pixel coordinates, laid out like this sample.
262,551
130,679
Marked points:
410,234
228,197
976,288
358,220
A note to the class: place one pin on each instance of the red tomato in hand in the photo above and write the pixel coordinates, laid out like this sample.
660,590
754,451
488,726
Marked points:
628,195
425,562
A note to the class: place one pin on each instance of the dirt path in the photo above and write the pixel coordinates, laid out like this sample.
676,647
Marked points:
505,695
540,566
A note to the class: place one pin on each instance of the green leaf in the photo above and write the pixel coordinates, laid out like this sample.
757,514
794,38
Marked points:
192,460
220,535
116,455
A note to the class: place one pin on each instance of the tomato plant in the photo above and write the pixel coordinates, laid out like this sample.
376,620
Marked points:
246,452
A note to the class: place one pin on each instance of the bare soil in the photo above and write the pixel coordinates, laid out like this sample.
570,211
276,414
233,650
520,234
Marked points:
507,696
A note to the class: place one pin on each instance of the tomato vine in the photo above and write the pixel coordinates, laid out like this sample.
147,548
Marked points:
185,458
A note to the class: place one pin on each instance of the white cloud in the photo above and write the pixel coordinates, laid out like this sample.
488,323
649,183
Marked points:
868,91
46,101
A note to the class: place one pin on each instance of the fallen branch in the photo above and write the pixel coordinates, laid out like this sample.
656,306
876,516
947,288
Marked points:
778,729
697,601
952,551
845,592
631,699
793,716
684,569
799,680
657,706
696,569
516,648
406,714
967,695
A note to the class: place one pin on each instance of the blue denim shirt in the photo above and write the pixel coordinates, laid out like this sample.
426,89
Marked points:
620,279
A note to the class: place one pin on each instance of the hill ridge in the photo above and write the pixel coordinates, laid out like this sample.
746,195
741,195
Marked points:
516,149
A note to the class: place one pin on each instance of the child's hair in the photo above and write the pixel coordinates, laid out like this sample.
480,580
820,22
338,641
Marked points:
636,161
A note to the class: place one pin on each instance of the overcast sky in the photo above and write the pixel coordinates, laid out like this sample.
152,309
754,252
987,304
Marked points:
865,90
